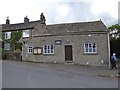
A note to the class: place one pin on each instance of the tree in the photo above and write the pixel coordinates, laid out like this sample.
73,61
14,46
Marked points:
115,39
114,32
15,37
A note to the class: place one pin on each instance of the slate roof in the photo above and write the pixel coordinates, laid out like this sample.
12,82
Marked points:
80,26
94,26
19,26
74,28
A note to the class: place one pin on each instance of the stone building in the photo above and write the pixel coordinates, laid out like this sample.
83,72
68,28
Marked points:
85,43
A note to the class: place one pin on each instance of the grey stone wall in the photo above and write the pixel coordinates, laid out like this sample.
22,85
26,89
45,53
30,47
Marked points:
77,42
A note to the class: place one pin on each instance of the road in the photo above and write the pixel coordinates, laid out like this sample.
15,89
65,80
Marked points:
40,75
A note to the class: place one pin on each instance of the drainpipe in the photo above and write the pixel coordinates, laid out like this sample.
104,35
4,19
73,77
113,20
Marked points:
109,50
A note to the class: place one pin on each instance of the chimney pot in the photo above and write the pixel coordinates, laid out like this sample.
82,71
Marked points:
7,20
26,19
42,19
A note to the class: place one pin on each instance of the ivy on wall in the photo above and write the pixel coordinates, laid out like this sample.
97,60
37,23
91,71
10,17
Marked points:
14,40
15,37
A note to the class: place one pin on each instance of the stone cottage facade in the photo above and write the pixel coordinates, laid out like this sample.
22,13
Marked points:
85,43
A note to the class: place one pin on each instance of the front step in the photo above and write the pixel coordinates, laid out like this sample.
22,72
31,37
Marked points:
69,62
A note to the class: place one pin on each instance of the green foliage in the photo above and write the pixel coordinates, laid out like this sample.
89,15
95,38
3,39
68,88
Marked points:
14,40
18,46
115,41
1,50
5,56
114,32
15,37
1,42
1,35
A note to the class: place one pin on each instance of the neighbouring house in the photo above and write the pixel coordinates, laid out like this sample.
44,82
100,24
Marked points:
85,43
8,28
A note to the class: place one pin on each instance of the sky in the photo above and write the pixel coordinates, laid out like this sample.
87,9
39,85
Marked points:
60,11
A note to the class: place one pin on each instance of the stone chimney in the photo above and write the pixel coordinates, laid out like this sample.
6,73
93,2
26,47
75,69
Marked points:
42,19
7,20
26,19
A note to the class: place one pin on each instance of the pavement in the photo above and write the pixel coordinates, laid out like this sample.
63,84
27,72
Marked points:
102,71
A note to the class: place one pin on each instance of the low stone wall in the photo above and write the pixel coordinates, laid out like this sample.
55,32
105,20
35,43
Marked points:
11,56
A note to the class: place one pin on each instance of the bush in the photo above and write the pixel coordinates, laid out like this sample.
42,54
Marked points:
17,50
5,56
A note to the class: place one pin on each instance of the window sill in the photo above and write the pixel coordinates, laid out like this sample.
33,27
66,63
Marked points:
7,39
7,50
30,52
37,54
25,37
47,54
90,53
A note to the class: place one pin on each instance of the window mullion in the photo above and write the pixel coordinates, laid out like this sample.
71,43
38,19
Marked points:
92,47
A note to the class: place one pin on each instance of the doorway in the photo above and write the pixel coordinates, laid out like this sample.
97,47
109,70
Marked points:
68,53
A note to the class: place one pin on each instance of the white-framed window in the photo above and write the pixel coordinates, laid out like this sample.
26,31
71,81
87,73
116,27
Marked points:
48,49
90,48
7,35
6,46
26,33
30,49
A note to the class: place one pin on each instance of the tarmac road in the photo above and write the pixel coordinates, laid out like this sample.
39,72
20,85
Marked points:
40,75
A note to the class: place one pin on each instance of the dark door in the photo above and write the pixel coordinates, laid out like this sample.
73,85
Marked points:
68,53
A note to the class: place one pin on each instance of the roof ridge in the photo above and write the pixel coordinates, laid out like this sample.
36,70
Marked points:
23,23
75,23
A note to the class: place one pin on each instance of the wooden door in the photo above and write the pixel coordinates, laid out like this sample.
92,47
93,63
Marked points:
68,53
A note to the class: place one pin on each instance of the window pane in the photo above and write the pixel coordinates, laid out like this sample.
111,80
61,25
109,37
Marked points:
30,49
7,46
26,33
48,51
35,51
51,46
45,47
7,35
90,49
90,45
94,50
39,51
48,46
94,47
51,50
86,47
86,50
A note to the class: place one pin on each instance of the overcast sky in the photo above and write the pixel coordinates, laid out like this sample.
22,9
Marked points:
60,11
